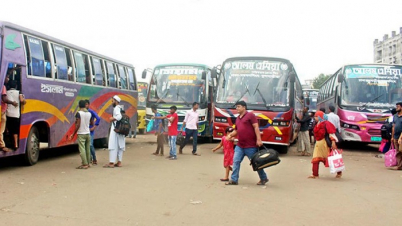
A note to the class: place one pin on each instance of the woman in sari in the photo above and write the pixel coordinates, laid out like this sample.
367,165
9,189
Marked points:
321,150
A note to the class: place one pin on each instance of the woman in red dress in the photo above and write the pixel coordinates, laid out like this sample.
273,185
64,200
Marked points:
228,152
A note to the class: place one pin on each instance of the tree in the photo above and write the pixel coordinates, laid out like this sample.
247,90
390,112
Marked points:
319,80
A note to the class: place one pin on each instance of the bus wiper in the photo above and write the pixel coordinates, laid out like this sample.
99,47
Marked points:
259,92
178,95
247,91
364,105
164,95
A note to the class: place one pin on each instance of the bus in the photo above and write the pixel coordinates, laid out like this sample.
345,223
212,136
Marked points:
181,84
310,100
54,76
272,91
142,85
363,96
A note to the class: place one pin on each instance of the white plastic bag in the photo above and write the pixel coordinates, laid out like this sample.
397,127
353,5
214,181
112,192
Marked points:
335,162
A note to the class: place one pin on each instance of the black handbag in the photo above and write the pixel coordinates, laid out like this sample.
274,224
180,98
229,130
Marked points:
180,139
264,158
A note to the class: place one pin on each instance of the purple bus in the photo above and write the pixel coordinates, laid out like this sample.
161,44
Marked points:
363,96
54,76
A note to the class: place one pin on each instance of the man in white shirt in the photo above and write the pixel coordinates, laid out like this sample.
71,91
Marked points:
334,119
191,124
82,120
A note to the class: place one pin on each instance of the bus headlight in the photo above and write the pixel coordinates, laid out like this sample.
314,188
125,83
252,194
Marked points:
349,126
221,119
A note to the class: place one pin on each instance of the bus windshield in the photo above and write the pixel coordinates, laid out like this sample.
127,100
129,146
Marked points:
142,93
310,99
177,84
257,82
371,86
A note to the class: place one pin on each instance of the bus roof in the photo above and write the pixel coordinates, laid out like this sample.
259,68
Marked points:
4,24
183,64
257,58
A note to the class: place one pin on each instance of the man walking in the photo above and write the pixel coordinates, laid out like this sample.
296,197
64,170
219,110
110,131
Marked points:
304,136
92,126
334,119
117,142
82,120
249,139
191,124
397,135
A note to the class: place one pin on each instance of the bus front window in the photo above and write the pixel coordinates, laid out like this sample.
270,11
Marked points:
177,84
371,86
257,82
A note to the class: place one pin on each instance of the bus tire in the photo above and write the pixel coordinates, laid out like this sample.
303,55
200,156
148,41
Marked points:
141,131
283,149
32,149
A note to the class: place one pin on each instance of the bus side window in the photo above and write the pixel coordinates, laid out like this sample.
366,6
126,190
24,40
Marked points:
97,70
82,68
60,62
111,75
123,77
36,61
48,66
131,78
70,75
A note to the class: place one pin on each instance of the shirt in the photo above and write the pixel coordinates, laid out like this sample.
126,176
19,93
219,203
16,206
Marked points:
397,126
94,118
85,117
13,95
3,104
191,119
334,119
157,122
172,126
245,130
305,122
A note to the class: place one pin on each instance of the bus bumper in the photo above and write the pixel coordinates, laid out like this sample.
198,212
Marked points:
366,136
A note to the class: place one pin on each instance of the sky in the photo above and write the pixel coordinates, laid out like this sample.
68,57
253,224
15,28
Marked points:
316,36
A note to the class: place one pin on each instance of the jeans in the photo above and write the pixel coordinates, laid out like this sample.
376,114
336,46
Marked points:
172,145
238,158
93,155
191,133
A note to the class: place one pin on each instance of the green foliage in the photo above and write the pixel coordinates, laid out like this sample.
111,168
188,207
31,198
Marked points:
319,80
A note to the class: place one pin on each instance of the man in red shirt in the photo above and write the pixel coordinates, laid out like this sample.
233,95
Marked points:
249,139
172,132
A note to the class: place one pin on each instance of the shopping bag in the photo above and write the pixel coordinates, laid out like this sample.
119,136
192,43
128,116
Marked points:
390,157
335,162
384,146
150,125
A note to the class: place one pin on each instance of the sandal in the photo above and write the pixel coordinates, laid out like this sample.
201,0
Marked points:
231,183
338,176
154,153
307,154
224,179
5,149
82,167
262,182
312,177
108,166
117,165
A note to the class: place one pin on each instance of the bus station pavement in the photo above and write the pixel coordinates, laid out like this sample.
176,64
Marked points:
151,190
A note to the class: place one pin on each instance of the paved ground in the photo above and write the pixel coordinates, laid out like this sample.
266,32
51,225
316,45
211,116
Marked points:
151,190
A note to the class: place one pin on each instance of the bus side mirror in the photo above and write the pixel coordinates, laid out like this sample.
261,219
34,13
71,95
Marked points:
214,73
204,75
340,77
144,74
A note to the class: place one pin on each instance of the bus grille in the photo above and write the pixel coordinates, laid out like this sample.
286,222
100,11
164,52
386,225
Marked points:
374,132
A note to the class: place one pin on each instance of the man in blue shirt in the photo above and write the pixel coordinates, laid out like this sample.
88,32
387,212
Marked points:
158,128
95,120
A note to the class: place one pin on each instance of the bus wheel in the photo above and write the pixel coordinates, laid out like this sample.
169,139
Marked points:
283,149
32,149
141,131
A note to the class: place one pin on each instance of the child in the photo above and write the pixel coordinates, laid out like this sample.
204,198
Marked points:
228,152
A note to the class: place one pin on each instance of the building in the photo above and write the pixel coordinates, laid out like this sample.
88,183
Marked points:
389,50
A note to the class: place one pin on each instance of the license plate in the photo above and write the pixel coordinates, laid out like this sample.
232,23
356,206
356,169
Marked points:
376,139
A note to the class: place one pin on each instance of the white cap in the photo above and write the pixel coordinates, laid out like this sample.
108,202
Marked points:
117,98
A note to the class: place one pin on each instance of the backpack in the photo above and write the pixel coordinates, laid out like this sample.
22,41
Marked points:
123,126
386,131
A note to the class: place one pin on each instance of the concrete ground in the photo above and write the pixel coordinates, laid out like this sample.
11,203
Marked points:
150,190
